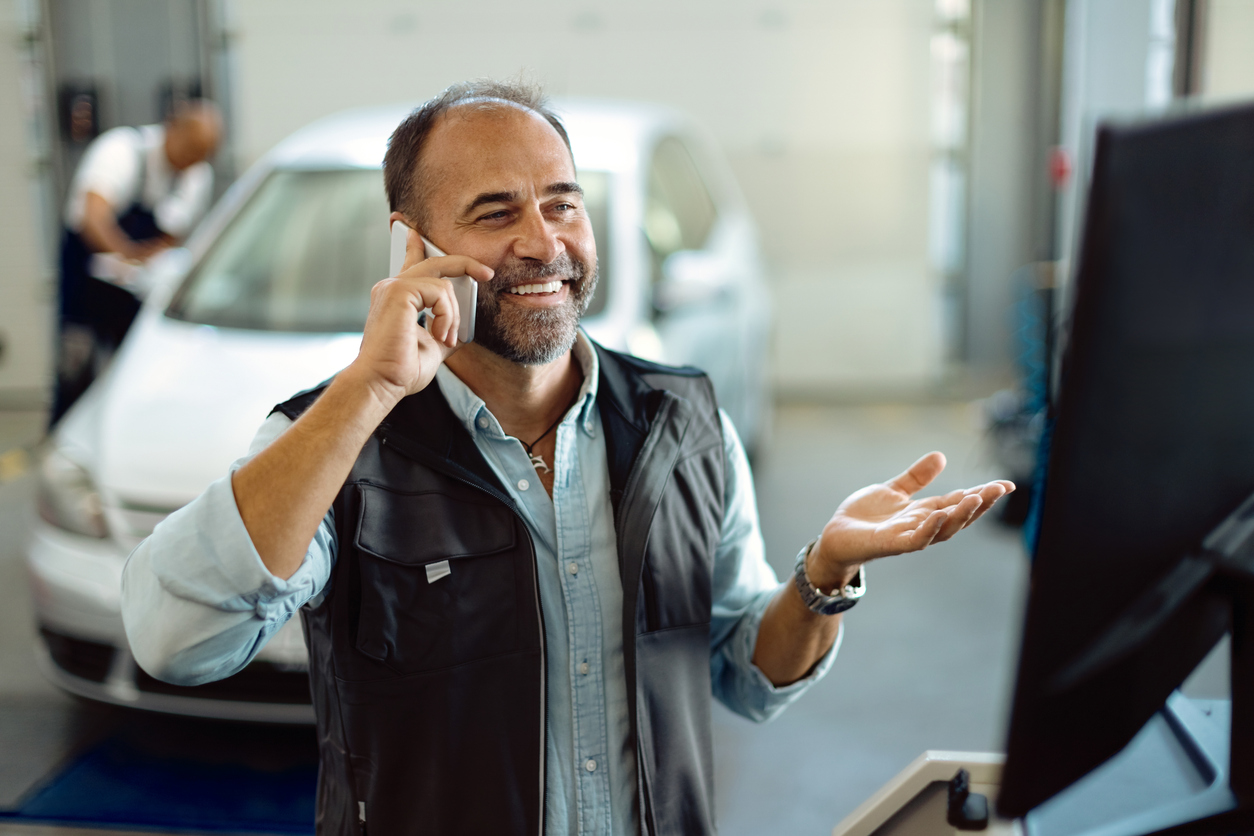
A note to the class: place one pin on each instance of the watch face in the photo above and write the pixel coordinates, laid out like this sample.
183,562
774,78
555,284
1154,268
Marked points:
826,604
837,606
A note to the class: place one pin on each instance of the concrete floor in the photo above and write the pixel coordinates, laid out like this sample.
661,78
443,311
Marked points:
927,659
927,655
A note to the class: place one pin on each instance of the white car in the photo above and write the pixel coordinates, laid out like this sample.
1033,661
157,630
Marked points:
269,298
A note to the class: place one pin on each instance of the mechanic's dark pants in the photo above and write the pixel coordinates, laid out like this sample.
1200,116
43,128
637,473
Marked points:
94,314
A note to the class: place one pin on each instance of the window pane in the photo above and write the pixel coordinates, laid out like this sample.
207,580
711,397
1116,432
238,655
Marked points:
596,202
301,256
679,213
305,251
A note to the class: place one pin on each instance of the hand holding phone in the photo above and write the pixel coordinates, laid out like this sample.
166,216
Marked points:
465,289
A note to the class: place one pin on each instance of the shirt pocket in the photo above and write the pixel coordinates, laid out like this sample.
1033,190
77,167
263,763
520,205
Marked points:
438,585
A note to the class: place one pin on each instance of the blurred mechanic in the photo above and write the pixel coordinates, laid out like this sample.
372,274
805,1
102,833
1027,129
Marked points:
137,191
525,563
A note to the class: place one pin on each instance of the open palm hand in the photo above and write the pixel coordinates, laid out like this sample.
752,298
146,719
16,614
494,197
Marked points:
884,519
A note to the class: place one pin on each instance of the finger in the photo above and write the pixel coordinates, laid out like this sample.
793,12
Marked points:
428,290
920,474
943,501
989,495
454,319
959,516
954,497
948,499
448,267
415,250
444,317
927,531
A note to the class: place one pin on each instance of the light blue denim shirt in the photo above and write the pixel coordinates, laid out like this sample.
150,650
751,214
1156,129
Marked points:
198,603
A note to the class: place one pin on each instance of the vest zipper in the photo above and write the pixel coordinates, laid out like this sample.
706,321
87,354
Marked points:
544,654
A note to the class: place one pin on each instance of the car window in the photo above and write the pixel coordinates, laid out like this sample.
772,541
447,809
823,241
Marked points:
302,255
305,250
679,212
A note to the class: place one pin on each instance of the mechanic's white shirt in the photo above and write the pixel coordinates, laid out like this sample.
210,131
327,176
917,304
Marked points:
111,168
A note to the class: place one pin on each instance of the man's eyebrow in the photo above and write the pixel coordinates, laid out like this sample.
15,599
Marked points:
490,197
567,187
570,187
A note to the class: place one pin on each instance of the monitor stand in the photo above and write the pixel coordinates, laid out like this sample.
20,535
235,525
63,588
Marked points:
1189,772
1174,771
1224,567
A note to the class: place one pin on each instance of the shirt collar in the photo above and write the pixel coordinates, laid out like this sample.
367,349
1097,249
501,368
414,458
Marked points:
468,406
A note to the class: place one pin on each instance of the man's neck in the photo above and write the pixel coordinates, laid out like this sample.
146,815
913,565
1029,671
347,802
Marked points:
526,400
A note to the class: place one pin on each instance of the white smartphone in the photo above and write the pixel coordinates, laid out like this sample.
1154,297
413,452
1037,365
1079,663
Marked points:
465,288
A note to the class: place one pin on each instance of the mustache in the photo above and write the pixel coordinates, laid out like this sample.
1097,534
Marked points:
524,271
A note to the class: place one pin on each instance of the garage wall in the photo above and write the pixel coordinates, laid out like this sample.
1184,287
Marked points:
822,108
1005,168
1228,56
26,288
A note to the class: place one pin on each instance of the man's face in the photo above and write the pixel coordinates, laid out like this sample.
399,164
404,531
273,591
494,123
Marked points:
190,140
500,188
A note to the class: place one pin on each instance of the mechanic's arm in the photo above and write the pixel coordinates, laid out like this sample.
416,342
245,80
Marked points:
877,521
101,231
284,492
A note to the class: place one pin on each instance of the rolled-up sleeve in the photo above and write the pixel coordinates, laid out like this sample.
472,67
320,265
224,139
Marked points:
744,584
197,602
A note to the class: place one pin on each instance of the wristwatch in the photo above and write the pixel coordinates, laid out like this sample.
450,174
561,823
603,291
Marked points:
840,600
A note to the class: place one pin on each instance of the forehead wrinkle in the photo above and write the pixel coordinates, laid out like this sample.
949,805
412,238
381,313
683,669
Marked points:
429,179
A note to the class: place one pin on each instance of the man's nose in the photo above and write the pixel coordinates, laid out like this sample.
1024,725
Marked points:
537,238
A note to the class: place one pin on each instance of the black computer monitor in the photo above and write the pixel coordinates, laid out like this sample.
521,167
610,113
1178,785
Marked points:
1152,447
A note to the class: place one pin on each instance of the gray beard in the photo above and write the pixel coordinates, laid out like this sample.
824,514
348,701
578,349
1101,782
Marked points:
533,336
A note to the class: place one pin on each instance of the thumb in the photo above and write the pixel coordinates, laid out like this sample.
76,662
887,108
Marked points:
920,474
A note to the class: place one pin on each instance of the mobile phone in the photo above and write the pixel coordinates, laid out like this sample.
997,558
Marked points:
465,288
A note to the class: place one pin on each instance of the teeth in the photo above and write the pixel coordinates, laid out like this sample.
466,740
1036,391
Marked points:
546,287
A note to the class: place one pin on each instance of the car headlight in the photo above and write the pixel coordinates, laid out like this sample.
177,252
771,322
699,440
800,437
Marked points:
68,498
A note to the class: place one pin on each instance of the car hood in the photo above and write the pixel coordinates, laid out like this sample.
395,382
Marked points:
182,401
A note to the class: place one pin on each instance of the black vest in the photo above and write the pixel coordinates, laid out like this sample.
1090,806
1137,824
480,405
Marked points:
430,697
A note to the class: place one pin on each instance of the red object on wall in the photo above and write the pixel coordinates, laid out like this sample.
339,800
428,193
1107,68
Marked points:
1059,166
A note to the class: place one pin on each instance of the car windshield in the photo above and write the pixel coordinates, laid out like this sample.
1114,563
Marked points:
305,250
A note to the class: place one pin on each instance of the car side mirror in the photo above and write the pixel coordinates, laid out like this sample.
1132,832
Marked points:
691,278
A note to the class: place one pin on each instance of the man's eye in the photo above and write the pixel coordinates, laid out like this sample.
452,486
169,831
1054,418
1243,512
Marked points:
492,216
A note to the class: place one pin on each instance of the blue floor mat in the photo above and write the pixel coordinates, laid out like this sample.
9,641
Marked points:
119,783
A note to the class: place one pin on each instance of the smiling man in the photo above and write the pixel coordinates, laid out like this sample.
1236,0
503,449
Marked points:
525,564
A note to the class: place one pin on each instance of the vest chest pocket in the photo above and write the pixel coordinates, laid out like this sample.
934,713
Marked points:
438,584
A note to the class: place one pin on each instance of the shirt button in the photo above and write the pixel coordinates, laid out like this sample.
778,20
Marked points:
583,668
590,765
572,567
483,422
523,484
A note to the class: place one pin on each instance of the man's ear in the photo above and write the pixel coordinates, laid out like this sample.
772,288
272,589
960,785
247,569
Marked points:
400,216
